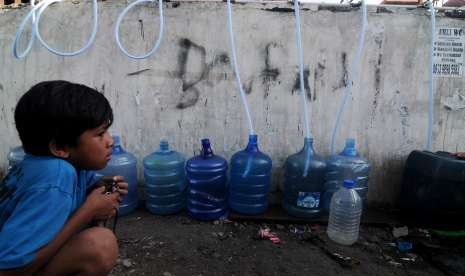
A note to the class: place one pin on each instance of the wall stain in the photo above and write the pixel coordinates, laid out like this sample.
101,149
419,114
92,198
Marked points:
334,8
269,74
1,87
138,72
191,94
278,9
175,5
377,87
142,33
383,10
318,76
343,81
379,41
101,90
404,113
306,84
248,87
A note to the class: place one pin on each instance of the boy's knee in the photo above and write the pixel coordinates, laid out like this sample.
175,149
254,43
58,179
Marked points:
102,249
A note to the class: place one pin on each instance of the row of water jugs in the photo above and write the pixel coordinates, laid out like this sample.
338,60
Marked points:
202,182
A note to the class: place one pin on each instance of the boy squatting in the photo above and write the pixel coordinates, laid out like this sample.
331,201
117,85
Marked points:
49,201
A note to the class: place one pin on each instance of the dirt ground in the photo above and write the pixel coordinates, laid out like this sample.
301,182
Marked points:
179,245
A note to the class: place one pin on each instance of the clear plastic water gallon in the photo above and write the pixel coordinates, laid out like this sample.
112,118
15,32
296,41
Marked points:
346,165
303,183
207,190
344,215
125,164
165,181
250,180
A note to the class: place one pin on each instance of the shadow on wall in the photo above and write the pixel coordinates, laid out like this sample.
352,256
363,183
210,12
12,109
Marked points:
391,170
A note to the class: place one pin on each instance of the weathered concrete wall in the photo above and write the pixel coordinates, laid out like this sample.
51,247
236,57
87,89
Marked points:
187,90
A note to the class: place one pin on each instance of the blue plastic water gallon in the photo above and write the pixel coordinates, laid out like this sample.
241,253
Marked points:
15,156
250,180
125,164
206,175
303,183
346,165
165,181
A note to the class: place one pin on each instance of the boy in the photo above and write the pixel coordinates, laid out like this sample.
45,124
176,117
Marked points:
48,201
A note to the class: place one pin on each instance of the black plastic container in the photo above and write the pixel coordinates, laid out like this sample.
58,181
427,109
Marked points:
433,187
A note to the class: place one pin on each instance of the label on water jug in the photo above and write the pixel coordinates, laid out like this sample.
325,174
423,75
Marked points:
308,199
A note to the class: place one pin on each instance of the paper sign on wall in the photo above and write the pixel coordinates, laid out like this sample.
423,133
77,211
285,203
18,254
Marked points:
448,52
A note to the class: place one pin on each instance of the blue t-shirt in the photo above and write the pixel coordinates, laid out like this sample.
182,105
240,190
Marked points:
37,197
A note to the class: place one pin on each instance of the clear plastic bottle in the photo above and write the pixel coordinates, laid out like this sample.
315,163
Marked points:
165,181
346,165
15,156
344,215
250,180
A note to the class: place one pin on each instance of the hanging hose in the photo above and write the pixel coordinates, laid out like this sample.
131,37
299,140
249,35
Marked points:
236,68
239,84
429,142
301,69
20,31
37,10
352,75
308,134
68,54
160,33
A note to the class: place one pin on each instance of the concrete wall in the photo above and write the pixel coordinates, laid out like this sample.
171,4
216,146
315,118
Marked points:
187,90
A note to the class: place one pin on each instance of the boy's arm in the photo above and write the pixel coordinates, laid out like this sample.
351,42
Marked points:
96,206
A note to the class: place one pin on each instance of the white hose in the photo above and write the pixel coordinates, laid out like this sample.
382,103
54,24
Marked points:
352,75
301,69
429,142
75,53
236,68
37,10
20,31
160,33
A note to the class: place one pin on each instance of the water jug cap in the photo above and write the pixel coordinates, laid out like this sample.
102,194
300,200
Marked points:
252,145
308,140
349,184
205,142
350,142
164,144
206,151
116,140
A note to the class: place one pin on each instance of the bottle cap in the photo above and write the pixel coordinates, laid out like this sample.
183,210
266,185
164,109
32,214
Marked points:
349,184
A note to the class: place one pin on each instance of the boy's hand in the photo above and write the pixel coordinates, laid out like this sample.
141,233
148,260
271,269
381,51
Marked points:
100,205
121,185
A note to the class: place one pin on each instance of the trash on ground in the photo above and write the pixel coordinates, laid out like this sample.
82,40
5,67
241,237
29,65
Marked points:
398,232
404,246
450,234
394,263
265,233
344,261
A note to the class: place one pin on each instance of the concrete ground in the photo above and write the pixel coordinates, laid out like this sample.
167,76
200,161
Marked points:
179,245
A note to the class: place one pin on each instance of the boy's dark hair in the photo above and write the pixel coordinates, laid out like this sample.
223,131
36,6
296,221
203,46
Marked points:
59,111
